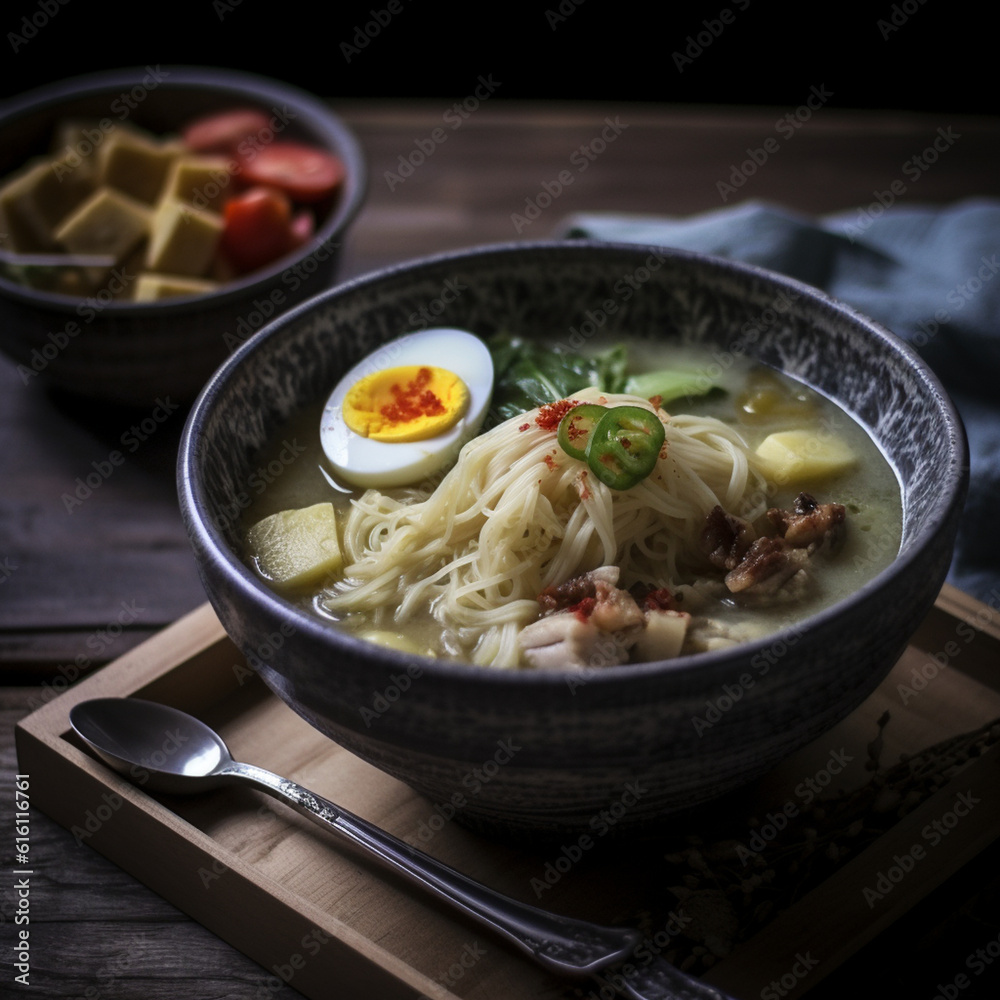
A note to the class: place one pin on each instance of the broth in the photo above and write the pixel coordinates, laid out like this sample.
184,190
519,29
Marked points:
754,401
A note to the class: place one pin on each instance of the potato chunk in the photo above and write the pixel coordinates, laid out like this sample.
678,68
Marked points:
297,548
796,455
663,636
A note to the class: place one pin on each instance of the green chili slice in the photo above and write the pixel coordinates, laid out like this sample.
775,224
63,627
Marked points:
576,427
624,445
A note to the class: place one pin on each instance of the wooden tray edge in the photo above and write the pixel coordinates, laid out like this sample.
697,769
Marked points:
40,745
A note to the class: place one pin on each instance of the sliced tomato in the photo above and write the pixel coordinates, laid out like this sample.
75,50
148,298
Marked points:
223,132
305,173
257,228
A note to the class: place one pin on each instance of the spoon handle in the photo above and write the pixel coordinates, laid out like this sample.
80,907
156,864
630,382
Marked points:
562,944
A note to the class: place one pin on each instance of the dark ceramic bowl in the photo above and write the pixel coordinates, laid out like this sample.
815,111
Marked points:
533,752
131,353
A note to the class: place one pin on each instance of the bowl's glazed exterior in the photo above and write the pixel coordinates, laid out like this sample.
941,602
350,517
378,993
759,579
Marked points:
546,753
128,353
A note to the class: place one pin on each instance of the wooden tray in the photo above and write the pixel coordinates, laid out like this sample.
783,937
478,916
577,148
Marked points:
316,914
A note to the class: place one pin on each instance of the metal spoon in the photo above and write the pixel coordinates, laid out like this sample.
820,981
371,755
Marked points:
168,750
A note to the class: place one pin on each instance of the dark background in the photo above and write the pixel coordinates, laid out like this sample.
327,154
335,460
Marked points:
904,54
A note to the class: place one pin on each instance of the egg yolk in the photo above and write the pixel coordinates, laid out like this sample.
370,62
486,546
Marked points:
410,403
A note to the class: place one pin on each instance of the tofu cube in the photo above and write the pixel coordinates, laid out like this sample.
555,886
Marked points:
202,181
297,548
78,141
792,456
108,222
36,201
136,165
183,239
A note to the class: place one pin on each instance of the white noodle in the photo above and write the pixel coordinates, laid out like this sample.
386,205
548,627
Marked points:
516,514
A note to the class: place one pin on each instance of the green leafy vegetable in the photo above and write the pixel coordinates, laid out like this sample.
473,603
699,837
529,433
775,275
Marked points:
527,374
669,384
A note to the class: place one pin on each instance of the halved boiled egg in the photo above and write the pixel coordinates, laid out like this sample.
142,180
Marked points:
405,411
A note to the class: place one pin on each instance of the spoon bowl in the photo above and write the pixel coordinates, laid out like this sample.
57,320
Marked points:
154,745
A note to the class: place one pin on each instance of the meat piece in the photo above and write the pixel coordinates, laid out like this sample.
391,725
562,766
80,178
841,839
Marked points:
586,622
615,610
809,522
726,538
564,595
563,642
663,636
653,598
768,560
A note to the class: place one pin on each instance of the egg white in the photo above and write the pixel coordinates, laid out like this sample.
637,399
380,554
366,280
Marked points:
362,462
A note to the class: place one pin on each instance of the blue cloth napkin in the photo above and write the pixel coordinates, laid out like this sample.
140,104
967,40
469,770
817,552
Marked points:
931,274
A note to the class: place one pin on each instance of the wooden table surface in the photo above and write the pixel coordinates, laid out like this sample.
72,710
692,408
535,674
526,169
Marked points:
79,585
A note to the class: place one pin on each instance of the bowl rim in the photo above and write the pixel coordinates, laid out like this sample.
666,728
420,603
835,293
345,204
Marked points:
207,538
258,89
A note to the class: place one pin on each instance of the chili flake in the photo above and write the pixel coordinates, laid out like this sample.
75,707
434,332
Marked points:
413,401
550,414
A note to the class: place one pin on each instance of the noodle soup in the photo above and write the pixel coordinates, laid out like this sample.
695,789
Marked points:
765,503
